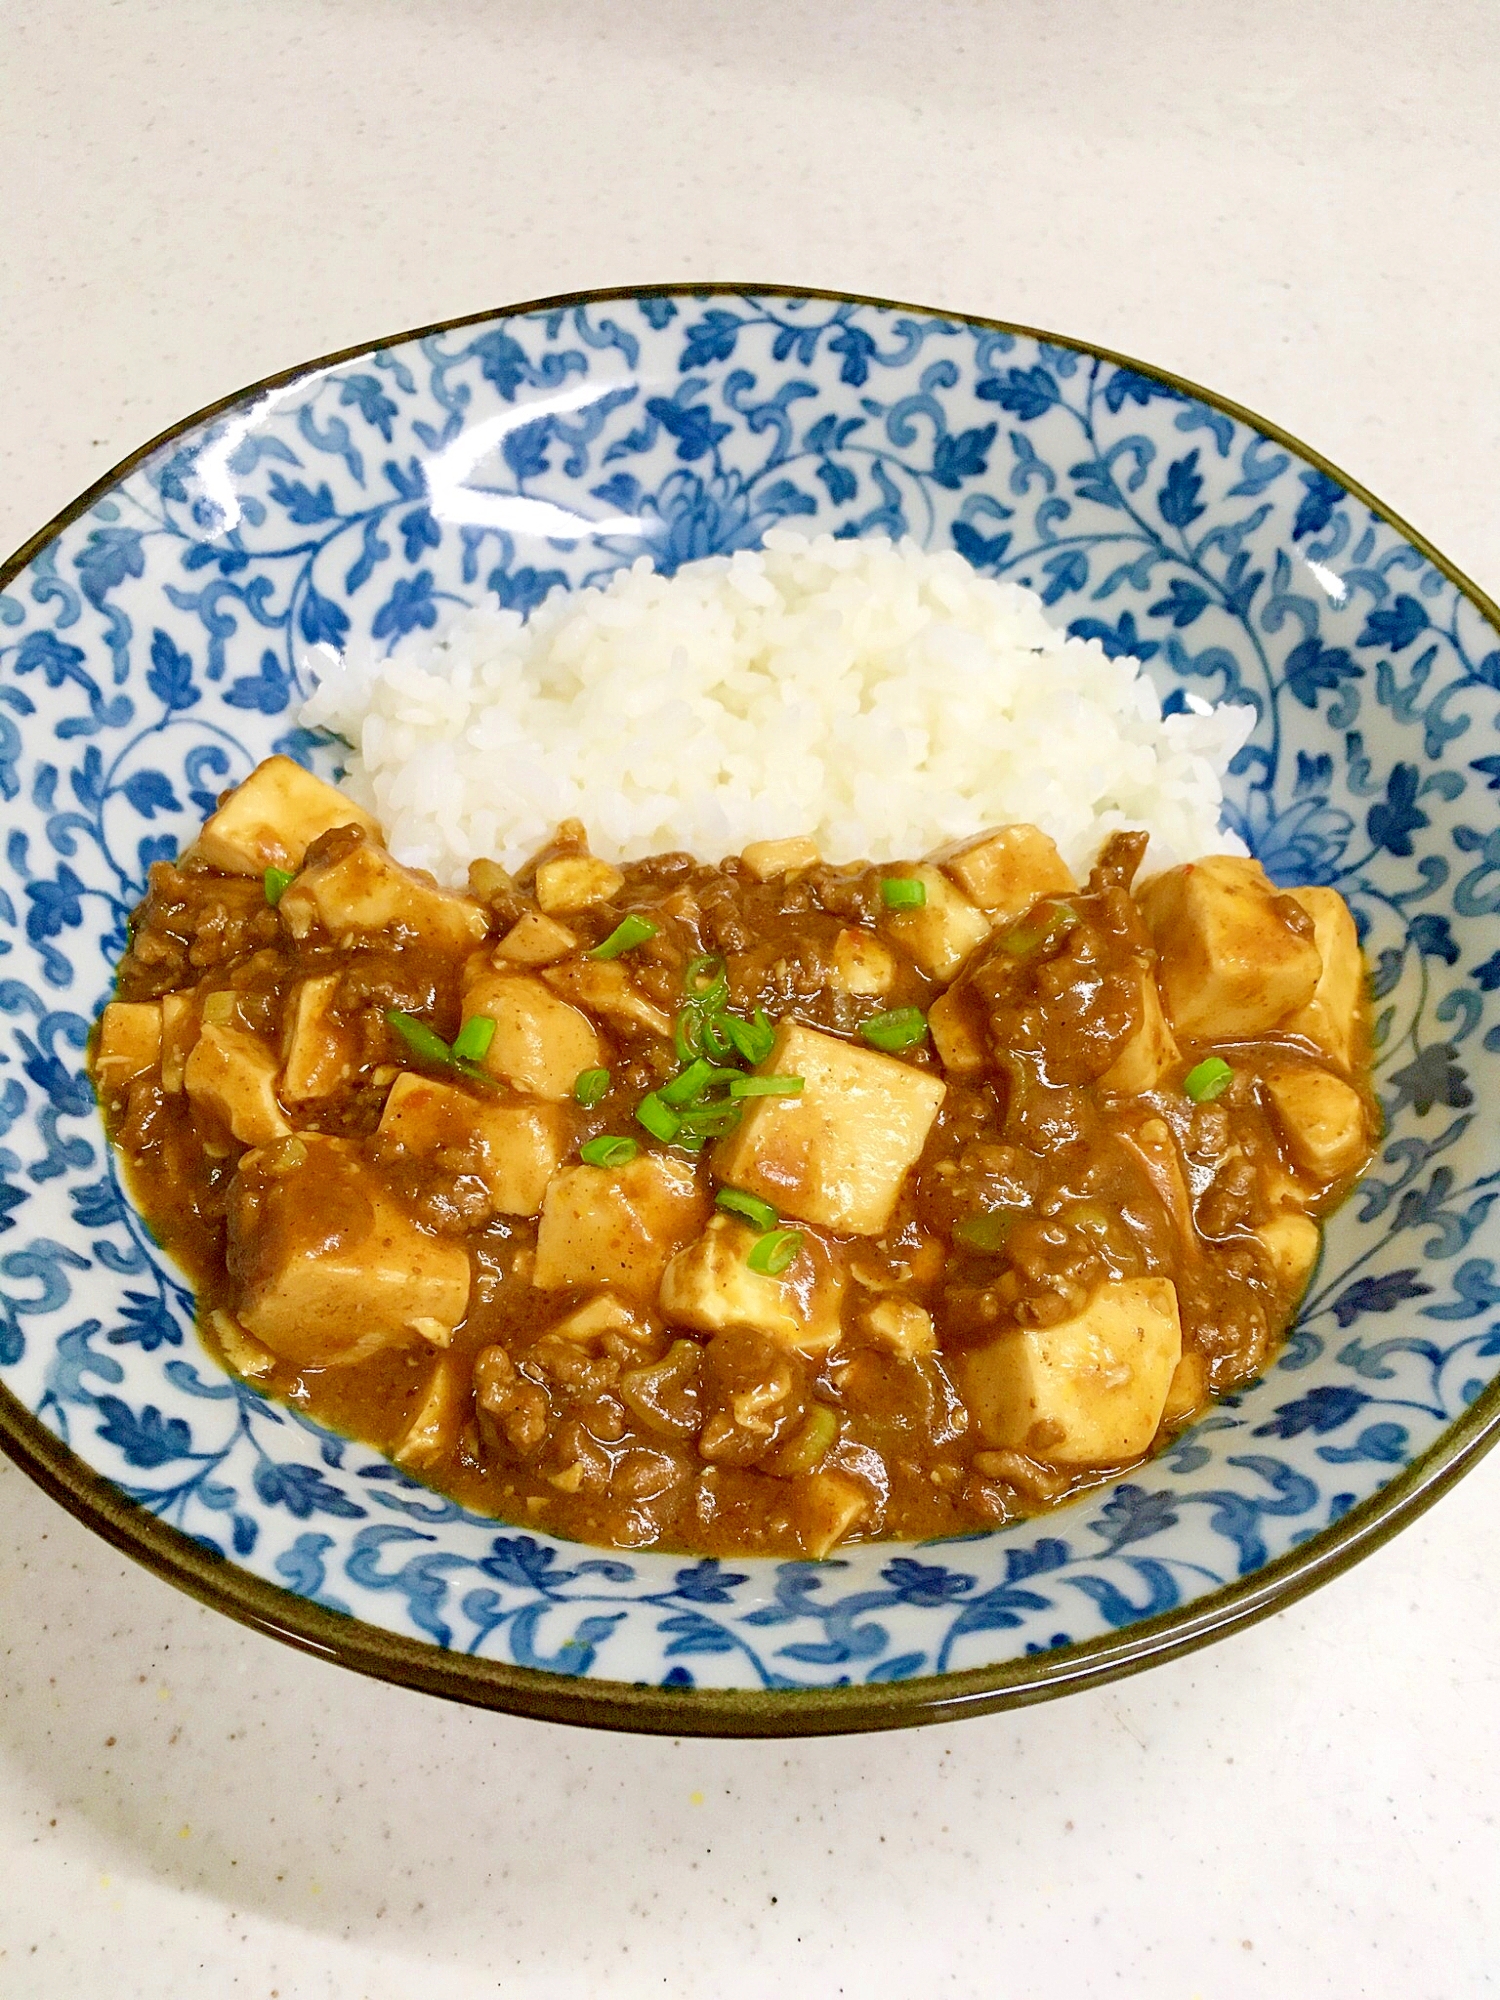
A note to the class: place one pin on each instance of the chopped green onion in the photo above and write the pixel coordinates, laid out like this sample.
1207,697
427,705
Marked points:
611,1149
688,1035
1210,1079
772,1252
1026,936
811,1444
659,1119
902,892
753,1040
472,1042
687,1083
736,1201
902,1028
767,1086
706,982
707,1121
589,1086
419,1038
716,1043
985,1232
278,881
626,935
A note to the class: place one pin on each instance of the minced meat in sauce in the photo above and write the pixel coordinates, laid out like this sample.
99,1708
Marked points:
744,1208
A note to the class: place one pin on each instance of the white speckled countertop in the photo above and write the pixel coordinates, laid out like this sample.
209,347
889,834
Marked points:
1297,206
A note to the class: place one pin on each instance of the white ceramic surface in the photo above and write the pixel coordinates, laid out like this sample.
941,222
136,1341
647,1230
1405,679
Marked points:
1290,202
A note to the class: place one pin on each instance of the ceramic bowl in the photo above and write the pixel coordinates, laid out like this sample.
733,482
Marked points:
151,642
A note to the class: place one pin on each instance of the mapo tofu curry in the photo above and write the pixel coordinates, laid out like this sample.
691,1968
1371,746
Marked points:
739,1208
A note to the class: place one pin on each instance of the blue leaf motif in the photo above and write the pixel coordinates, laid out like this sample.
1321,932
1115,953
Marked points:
170,675
303,505
707,1583
924,1584
1487,976
856,347
1312,668
149,793
525,449
1067,571
691,424
1128,385
321,620
961,457
1315,510
713,338
374,405
110,556
419,531
1433,937
524,589
1377,1295
502,362
1178,499
839,480
1183,603
693,1633
1433,1077
1027,393
1391,822
1395,625
267,692
409,605
1121,641
146,1440
1322,1410
303,1491
983,551
1132,1515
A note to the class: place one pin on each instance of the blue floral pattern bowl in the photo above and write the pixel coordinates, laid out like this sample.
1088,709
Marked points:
151,642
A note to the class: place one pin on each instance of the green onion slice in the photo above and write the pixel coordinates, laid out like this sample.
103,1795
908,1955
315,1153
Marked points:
707,1121
278,881
811,1442
472,1042
611,1149
589,1087
419,1038
770,1254
902,1028
985,1232
706,982
659,1119
753,1040
688,1083
902,892
767,1086
1210,1079
738,1201
626,935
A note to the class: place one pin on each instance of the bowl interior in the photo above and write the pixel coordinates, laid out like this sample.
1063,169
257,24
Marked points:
151,650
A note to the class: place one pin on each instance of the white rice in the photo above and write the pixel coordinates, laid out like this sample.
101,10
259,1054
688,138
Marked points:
880,698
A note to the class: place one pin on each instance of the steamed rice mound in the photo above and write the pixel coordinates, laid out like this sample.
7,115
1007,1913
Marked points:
884,699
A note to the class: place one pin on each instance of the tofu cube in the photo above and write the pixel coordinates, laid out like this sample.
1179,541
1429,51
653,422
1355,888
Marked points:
827,1506
241,1354
902,1326
361,892
955,1034
710,1287
837,1154
536,940
1004,872
617,1226
1332,1020
331,1268
941,934
513,1148
129,1043
1291,1243
768,860
319,1050
272,819
1188,1387
1151,1051
232,1074
540,1043
603,1314
605,987
432,1432
1321,1117
575,882
862,964
1230,962
1088,1391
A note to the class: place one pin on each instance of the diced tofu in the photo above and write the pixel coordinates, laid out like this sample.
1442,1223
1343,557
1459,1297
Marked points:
940,935
245,1356
1321,1117
1153,1145
903,1326
513,1148
540,1043
1291,1243
129,1042
1087,1391
605,987
1331,1019
179,1030
1188,1387
837,1154
862,964
1151,1051
433,1430
575,882
617,1226
710,1287
272,819
827,1506
765,860
605,1314
361,892
232,1074
319,1050
1230,962
331,1268
1004,872
955,1034
536,940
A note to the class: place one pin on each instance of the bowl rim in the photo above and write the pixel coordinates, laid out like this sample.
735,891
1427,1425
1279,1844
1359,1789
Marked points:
687,1711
